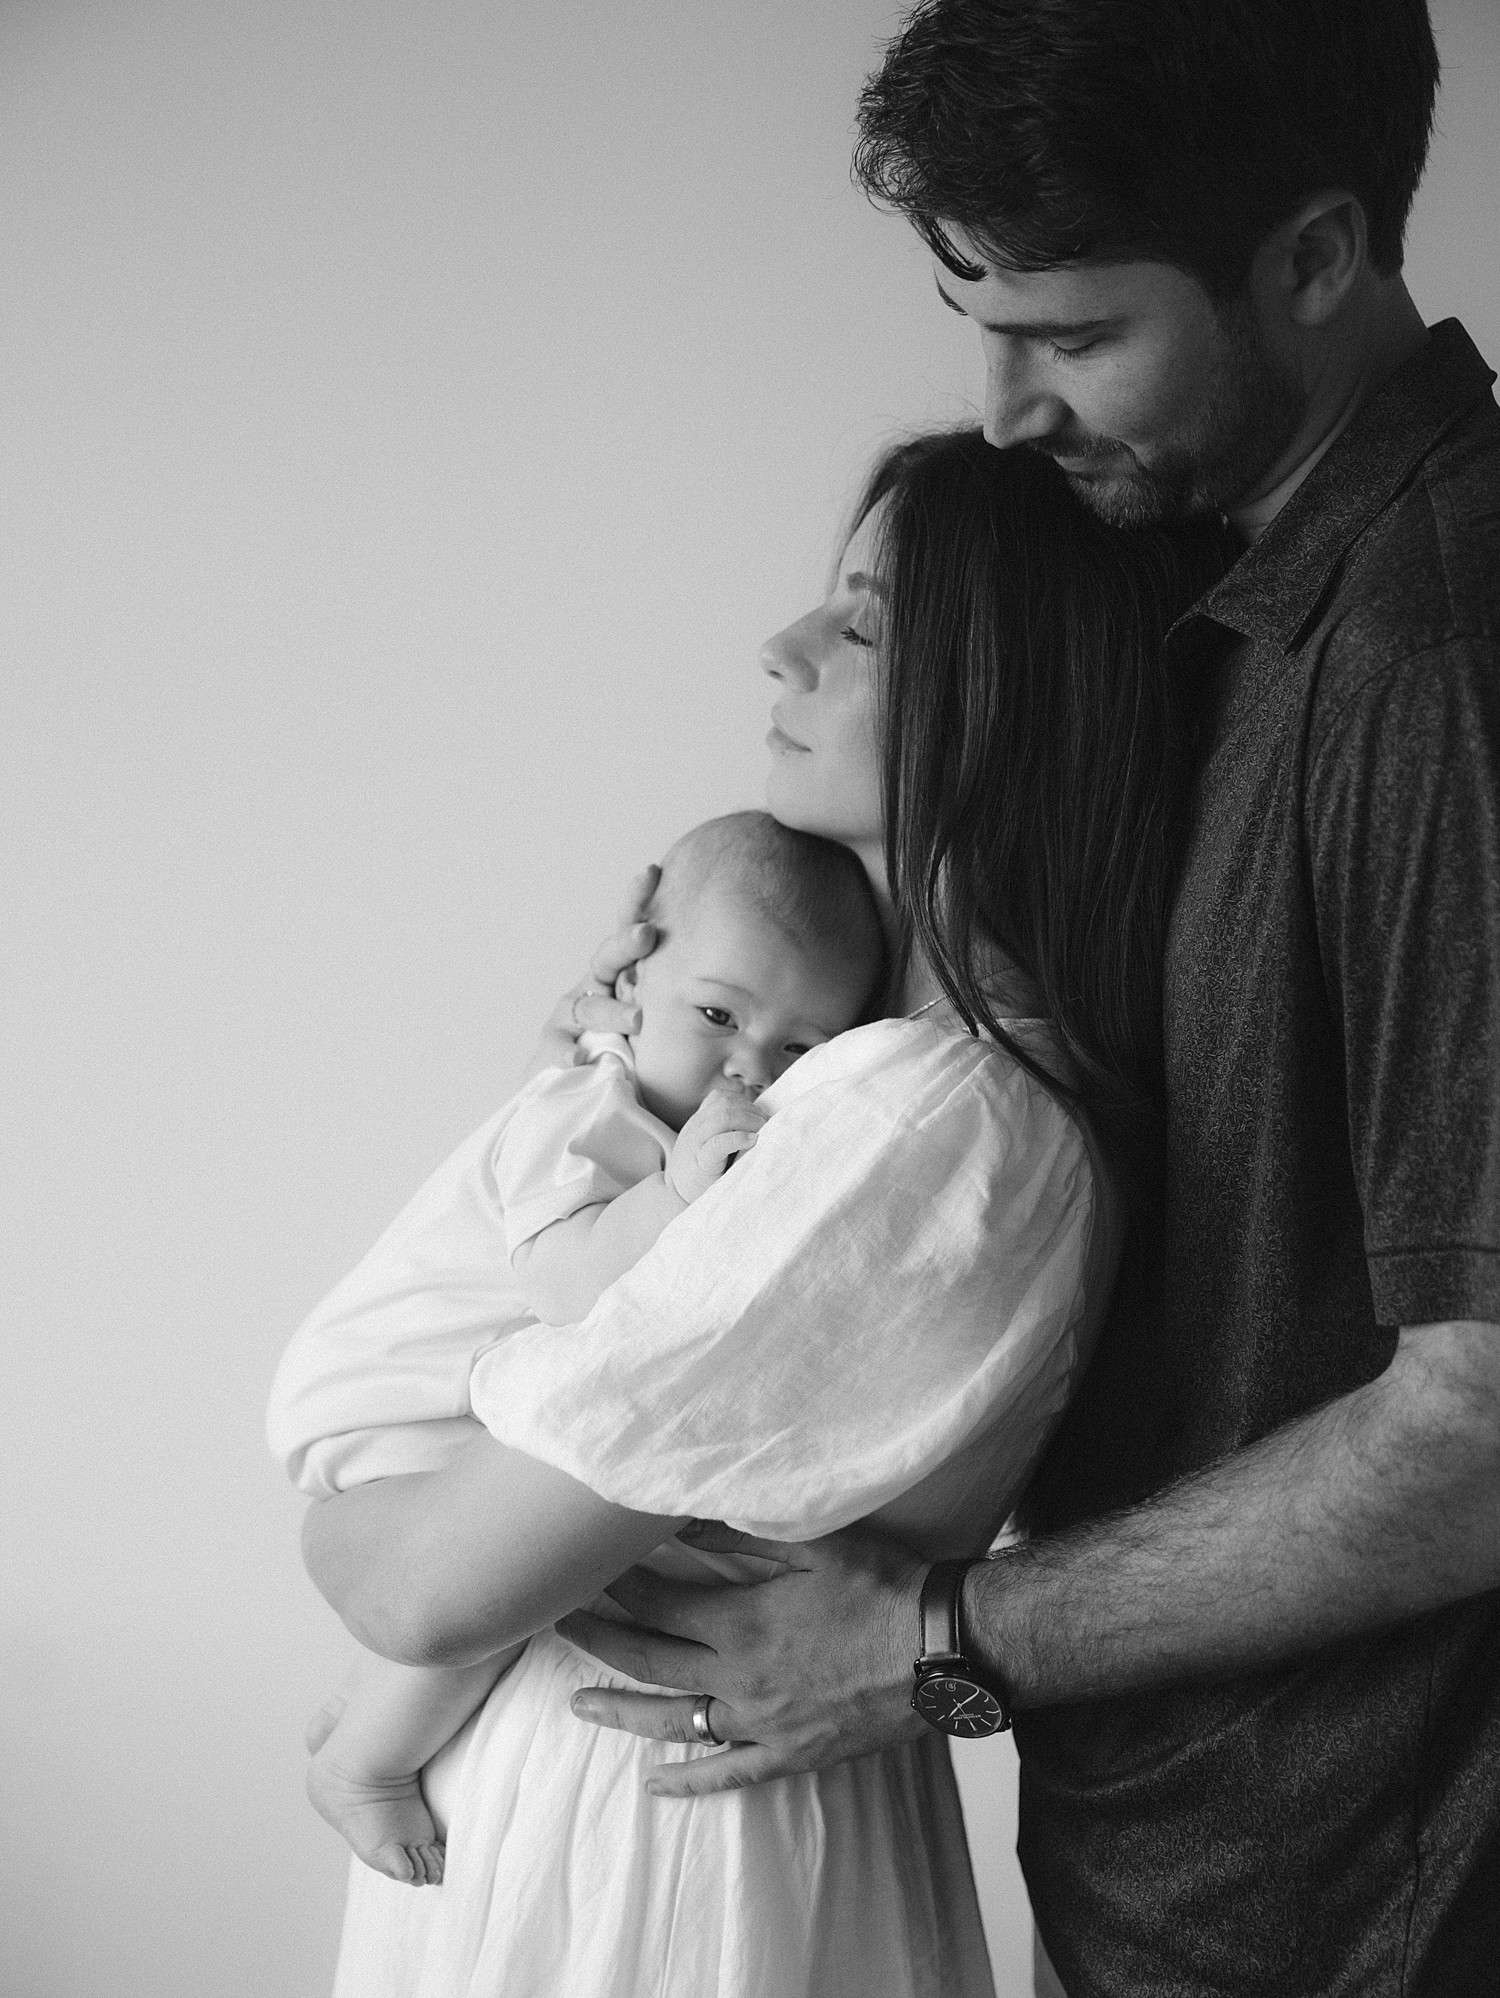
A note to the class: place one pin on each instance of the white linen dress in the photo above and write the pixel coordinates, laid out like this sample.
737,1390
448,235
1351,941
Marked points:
879,1311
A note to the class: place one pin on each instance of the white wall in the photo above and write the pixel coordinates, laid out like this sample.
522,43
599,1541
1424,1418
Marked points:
411,418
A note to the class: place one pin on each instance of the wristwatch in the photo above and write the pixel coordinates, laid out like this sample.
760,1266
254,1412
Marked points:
949,1693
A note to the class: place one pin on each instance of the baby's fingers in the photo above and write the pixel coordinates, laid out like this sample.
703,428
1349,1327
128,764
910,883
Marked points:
731,1110
724,1145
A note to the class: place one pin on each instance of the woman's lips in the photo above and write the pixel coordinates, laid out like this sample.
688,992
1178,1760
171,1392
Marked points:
779,742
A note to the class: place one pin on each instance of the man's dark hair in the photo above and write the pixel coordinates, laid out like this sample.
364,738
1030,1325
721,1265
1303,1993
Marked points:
1054,132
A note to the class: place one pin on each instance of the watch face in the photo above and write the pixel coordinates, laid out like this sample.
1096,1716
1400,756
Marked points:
958,1706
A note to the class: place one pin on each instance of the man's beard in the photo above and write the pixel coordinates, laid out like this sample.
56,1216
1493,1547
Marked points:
1243,427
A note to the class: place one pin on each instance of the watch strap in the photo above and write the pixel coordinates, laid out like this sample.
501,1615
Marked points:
941,1631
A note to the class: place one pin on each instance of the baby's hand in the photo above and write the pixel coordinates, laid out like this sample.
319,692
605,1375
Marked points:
726,1121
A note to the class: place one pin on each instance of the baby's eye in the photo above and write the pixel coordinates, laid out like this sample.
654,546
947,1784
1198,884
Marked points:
796,1049
855,637
716,1016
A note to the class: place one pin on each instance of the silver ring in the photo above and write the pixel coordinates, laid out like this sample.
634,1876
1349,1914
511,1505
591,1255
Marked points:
701,1724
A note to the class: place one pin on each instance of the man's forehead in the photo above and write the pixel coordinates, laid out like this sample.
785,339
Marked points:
1070,297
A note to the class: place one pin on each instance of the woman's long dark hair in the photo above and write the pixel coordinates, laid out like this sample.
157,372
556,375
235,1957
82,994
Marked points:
1030,750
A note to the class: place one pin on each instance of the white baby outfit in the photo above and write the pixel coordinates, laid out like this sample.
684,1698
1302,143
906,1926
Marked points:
376,1382
879,1310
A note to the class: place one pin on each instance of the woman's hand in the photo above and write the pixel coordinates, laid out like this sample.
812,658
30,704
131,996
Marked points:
725,1123
590,1006
808,1668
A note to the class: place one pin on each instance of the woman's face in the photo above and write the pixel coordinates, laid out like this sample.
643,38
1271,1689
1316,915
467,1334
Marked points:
825,773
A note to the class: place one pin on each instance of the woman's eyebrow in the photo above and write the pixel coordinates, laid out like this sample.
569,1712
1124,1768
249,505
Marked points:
857,579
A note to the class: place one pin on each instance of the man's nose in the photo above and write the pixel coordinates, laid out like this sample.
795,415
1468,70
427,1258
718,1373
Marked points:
1017,408
787,657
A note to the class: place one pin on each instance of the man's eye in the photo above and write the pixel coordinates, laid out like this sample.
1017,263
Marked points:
716,1016
854,637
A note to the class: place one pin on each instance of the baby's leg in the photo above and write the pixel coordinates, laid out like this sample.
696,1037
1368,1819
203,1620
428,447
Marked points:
364,1774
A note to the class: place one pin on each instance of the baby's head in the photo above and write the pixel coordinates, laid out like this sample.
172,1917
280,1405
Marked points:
769,942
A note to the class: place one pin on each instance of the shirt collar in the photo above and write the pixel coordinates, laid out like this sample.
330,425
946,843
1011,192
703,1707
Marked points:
1274,588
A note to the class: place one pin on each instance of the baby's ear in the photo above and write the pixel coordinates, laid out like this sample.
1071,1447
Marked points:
627,981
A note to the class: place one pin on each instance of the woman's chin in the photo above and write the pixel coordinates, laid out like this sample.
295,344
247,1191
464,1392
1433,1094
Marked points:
788,806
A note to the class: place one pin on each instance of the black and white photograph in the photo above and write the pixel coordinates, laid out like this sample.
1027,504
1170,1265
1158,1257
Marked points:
750,769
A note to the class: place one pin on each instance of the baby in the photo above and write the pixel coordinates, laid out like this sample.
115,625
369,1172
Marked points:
769,943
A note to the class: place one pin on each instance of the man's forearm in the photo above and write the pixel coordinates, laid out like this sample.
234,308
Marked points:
1382,1505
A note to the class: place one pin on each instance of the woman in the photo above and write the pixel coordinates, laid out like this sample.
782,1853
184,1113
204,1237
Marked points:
877,1314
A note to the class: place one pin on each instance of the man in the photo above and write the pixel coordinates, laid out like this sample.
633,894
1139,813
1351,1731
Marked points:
1253,1645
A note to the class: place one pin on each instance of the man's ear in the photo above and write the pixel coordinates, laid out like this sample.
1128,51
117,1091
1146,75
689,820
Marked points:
1313,261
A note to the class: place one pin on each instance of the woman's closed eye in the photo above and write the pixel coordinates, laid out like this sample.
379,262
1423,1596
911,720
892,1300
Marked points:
854,637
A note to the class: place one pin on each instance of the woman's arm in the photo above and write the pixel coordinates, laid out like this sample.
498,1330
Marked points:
448,1567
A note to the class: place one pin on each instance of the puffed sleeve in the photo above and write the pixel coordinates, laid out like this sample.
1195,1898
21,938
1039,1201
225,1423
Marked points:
903,1251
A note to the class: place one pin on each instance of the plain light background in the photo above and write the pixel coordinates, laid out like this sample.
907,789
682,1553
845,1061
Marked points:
411,420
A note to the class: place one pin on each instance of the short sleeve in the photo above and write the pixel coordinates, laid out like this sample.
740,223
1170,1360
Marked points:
1404,810
902,1252
576,1136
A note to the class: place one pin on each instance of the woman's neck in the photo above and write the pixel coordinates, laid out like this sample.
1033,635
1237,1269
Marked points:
915,983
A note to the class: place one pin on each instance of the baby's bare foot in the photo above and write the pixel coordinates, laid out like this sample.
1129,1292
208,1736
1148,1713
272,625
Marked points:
387,1823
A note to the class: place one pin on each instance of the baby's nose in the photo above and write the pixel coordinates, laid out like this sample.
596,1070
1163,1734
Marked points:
750,1068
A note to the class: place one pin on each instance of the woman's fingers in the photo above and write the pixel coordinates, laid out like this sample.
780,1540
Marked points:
583,1008
638,896
634,939
590,1007
594,1012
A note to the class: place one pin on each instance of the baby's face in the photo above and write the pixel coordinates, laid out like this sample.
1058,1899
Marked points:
725,994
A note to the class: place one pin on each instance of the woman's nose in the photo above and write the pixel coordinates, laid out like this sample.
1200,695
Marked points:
788,657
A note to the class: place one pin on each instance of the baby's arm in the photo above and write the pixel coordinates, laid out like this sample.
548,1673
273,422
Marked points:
564,1270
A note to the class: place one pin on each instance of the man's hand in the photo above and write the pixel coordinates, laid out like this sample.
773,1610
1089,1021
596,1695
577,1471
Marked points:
807,1668
590,1006
725,1123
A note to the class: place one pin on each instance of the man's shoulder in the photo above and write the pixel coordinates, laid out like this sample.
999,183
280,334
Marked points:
1420,588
